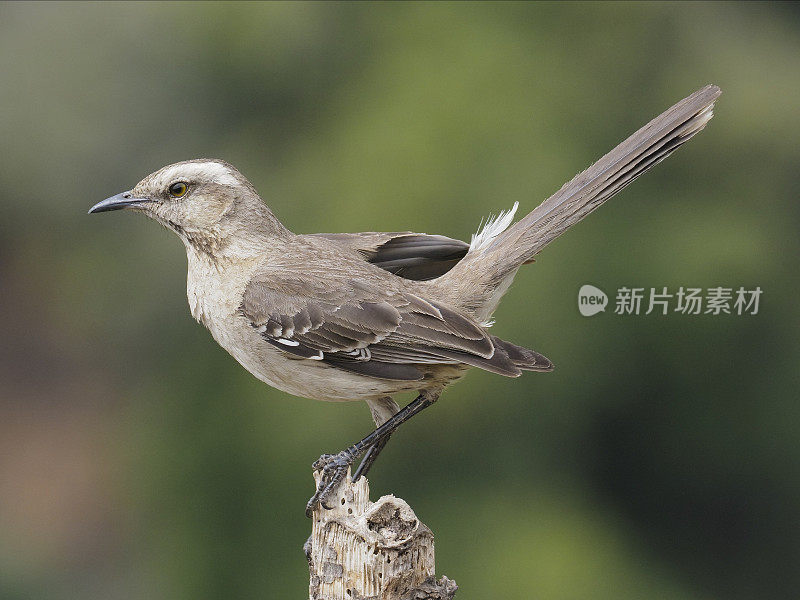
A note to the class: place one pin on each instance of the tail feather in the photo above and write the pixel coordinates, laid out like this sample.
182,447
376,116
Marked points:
497,258
591,188
523,358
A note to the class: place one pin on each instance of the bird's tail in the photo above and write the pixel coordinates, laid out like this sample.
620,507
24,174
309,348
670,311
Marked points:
484,274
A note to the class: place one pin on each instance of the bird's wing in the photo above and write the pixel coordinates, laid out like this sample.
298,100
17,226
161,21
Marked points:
358,327
416,256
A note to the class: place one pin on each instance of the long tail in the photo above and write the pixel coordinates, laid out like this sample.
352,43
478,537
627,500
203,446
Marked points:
484,274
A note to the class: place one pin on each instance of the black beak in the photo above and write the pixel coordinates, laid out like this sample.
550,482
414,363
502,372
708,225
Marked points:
122,200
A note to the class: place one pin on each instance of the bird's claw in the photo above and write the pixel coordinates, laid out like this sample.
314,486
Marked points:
334,469
322,461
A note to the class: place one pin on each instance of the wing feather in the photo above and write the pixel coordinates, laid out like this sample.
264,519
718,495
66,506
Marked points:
366,330
415,256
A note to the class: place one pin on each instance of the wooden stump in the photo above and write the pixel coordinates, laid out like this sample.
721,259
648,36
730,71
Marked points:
362,550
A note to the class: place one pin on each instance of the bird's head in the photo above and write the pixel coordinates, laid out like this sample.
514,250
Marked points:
204,201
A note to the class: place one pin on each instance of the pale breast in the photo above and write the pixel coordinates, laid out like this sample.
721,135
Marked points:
214,293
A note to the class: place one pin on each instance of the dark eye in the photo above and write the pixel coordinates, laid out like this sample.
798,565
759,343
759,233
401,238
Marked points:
176,190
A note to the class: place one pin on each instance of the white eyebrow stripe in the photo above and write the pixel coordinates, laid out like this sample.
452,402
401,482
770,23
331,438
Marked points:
214,171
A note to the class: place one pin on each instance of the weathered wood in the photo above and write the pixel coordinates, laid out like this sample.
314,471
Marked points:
360,550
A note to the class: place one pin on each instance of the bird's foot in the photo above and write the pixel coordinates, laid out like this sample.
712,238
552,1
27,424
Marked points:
334,470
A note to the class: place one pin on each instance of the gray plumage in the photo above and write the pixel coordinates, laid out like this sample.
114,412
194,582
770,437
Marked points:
365,316
401,306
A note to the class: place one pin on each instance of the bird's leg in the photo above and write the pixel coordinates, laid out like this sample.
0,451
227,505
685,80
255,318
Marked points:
369,458
382,410
334,466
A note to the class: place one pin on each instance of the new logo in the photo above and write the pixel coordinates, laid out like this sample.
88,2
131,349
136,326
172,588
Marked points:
591,300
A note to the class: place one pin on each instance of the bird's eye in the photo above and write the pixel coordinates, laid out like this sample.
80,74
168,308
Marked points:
176,190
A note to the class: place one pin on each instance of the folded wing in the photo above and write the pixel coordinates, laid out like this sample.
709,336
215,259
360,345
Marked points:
374,332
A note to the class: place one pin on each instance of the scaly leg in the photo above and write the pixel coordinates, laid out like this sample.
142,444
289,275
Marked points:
369,458
334,466
382,410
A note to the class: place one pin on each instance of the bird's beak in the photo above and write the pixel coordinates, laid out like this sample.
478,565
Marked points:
123,200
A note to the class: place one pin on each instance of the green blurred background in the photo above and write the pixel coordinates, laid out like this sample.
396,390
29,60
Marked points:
661,459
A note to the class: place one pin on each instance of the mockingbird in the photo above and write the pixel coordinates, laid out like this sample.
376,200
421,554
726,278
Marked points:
364,316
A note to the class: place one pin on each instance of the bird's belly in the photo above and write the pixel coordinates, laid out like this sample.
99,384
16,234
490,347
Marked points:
301,377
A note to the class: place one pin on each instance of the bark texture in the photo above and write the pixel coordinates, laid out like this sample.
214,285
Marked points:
362,550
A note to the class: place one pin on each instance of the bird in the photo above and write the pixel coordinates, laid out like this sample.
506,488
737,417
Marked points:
366,316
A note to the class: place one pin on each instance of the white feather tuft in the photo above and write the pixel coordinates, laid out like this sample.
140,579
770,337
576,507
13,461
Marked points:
494,226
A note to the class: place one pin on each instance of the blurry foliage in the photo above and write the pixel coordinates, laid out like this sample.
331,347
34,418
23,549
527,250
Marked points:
660,459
